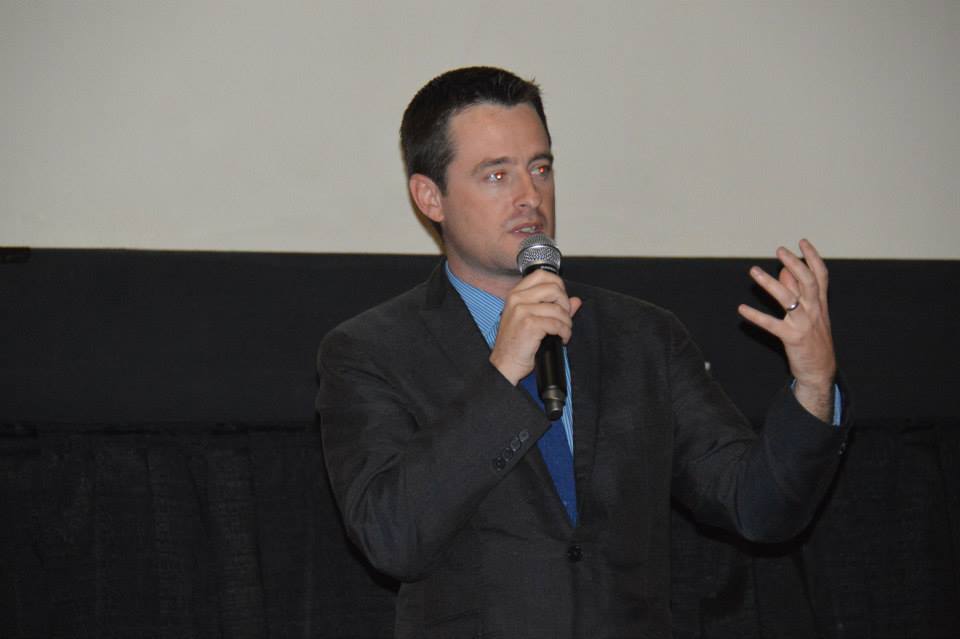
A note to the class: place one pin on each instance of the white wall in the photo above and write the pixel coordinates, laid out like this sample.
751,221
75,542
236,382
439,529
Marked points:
703,129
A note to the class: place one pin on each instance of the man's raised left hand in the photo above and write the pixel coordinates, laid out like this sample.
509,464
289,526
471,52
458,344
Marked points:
801,290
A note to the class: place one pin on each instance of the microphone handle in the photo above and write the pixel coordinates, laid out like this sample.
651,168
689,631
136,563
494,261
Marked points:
551,375
551,379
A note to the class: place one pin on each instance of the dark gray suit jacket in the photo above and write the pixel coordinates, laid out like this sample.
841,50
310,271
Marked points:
432,459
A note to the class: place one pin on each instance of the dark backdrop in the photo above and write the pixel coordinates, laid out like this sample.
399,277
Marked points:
161,476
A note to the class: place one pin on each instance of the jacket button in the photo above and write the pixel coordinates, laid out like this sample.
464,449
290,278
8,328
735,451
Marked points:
843,448
575,552
499,463
507,453
523,435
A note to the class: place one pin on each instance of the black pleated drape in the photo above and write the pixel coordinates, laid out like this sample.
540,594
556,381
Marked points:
229,530
176,531
161,474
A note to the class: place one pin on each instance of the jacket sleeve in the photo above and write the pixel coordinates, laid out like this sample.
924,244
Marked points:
408,479
765,486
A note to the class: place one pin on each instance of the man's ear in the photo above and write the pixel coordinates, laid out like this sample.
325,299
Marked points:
426,195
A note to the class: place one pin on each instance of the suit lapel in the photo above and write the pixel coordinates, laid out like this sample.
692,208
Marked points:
449,321
583,352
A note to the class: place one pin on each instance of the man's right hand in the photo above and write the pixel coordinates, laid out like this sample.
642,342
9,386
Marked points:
536,307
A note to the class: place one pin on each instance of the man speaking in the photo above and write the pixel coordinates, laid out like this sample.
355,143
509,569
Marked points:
449,475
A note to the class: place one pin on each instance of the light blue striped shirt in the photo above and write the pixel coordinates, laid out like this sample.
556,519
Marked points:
486,310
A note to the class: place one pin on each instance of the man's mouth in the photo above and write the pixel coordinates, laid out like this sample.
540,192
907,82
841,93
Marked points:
527,229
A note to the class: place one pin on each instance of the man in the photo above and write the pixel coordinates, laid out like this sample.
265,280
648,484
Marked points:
438,453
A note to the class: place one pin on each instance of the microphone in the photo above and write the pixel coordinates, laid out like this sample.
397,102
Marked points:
540,252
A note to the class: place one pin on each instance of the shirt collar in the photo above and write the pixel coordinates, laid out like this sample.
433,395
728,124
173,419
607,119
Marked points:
484,307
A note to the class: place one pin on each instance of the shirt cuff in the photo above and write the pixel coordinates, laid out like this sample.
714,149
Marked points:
837,403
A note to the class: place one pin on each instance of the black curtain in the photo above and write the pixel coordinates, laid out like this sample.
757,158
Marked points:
161,473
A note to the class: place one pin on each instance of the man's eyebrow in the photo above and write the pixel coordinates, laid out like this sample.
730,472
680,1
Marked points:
546,155
488,164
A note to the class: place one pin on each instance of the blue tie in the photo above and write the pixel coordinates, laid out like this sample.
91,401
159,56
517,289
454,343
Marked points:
556,454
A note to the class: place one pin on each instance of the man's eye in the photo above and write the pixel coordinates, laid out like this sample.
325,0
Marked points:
543,170
496,176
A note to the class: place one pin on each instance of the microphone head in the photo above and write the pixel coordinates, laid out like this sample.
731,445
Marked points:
538,251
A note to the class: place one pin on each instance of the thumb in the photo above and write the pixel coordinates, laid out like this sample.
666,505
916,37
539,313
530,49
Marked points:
575,304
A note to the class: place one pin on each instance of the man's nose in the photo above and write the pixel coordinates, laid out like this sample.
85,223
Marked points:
528,195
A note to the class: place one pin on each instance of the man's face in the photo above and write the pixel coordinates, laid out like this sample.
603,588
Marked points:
499,190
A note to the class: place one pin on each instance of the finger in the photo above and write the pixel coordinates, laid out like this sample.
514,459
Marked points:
548,291
789,281
543,311
545,325
565,332
531,287
554,293
817,265
767,322
537,277
783,295
799,270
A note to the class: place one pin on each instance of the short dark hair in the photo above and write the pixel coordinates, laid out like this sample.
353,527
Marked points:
424,136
